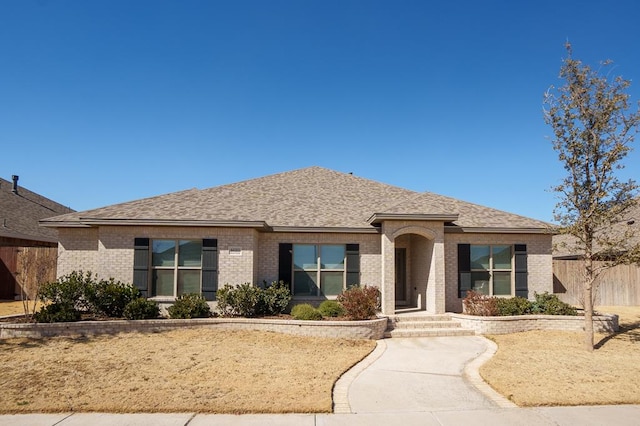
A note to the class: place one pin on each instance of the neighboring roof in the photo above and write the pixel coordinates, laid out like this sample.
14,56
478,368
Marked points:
564,245
21,211
309,199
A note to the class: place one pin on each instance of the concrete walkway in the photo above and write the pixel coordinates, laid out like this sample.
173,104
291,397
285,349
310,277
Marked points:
411,381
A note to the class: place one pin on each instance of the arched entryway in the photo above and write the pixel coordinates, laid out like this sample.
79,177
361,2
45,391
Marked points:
413,268
421,284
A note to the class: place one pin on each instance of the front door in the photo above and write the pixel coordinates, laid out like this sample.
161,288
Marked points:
401,276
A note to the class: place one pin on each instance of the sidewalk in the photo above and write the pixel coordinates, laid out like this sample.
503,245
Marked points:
405,381
621,415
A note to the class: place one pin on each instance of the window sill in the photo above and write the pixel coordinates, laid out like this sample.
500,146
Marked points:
313,298
163,299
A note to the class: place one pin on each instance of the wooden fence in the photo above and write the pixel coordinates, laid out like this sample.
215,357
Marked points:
25,268
619,285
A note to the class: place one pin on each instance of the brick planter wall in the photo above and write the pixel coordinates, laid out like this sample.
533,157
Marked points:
373,329
515,324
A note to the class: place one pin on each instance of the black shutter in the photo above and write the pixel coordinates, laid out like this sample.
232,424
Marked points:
520,254
353,265
285,262
464,269
141,265
209,268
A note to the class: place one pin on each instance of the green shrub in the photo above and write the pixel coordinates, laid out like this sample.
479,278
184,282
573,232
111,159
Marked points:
275,298
513,306
479,304
141,308
65,298
57,312
550,304
225,297
331,308
248,300
245,300
305,311
69,290
190,305
110,297
360,303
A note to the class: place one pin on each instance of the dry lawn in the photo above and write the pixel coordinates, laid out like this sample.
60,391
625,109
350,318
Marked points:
197,370
12,307
551,368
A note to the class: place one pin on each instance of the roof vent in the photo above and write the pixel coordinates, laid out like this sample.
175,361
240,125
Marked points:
14,188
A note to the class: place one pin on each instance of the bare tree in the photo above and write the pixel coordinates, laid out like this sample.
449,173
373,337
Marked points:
37,266
593,131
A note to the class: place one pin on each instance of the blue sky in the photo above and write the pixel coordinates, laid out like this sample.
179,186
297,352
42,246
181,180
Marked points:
106,101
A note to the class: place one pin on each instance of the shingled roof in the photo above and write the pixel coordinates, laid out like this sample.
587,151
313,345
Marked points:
310,198
21,211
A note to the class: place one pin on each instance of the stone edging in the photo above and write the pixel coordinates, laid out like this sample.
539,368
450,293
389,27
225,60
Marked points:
606,323
472,374
370,329
341,388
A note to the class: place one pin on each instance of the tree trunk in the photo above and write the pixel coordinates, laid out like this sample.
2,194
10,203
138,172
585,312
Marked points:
588,300
588,316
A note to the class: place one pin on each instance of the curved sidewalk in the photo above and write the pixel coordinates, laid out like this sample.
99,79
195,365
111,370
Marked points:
424,374
405,381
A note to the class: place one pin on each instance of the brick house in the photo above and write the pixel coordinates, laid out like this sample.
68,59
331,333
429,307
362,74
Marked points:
318,230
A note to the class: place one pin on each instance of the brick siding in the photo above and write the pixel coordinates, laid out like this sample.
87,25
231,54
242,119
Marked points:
539,262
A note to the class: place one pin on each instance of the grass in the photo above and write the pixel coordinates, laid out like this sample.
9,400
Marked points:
12,307
193,370
545,368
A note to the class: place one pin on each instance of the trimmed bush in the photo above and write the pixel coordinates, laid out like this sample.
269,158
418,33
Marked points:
242,300
247,300
360,303
110,297
141,308
479,304
275,297
544,304
68,290
305,311
331,308
57,312
65,299
550,304
513,306
76,293
190,305
225,300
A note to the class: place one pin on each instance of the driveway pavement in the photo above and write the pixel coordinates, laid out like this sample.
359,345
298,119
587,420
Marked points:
411,381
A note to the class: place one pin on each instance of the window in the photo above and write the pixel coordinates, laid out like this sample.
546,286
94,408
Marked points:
318,270
491,269
176,267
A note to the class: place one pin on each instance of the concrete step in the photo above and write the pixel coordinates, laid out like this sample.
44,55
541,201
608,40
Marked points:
419,317
428,332
424,324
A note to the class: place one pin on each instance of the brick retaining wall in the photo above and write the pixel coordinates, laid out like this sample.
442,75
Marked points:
373,329
515,324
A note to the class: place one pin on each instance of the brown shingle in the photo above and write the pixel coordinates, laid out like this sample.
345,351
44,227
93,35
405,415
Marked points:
311,197
20,213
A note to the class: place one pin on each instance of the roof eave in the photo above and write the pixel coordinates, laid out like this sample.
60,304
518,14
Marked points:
497,230
377,218
87,223
315,229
